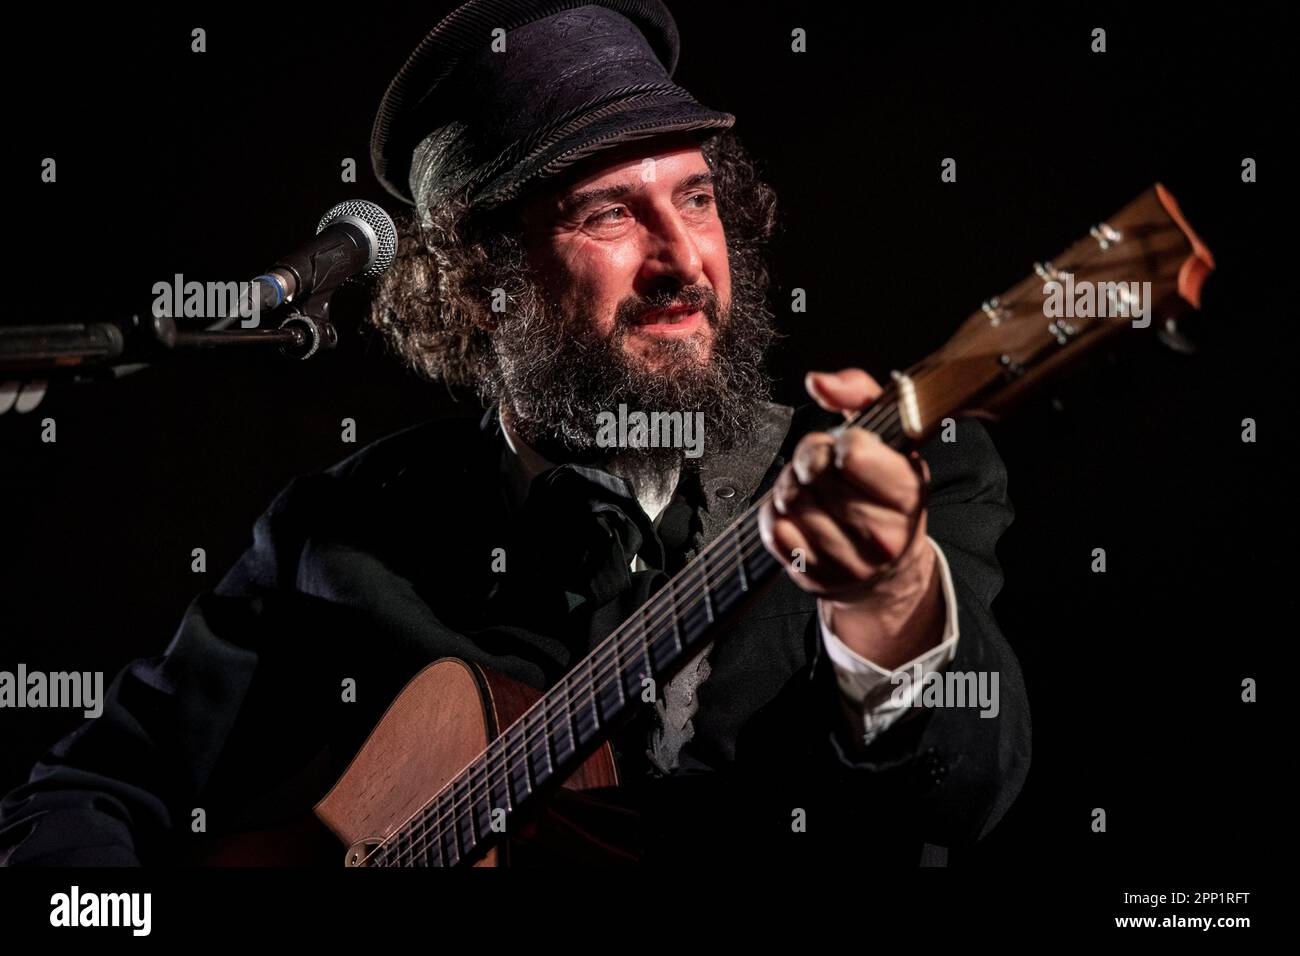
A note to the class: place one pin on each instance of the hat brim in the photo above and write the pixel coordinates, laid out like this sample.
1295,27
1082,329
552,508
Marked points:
594,134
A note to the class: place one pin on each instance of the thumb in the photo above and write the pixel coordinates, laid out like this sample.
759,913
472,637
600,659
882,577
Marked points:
848,390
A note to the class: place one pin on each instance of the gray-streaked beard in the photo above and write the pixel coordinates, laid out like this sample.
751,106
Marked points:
557,375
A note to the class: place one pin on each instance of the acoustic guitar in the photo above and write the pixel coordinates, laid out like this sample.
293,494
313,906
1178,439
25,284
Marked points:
505,750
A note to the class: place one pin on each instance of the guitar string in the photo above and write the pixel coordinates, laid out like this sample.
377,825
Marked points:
747,544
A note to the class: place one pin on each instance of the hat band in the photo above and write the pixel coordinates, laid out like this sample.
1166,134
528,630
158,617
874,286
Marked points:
566,124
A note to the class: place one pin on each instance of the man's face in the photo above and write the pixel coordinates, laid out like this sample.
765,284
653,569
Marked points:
635,250
628,295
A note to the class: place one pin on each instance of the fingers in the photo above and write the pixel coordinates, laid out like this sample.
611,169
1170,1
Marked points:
847,505
812,456
832,514
859,458
848,390
875,470
810,541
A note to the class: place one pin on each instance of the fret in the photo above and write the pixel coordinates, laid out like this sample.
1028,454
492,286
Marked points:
410,839
704,585
447,838
663,649
760,565
643,635
740,558
432,849
609,693
586,723
637,664
675,615
414,854
394,851
500,785
618,671
729,583
463,816
563,739
482,817
591,690
695,623
539,763
521,785
542,705
480,805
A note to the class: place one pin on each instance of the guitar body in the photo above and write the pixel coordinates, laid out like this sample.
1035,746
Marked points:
441,721
436,726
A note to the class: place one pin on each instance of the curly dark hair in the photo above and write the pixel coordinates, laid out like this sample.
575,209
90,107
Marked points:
433,305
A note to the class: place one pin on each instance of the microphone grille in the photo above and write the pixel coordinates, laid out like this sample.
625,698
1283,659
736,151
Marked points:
384,247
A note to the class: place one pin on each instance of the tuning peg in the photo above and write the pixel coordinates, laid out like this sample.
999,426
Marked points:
1105,235
994,309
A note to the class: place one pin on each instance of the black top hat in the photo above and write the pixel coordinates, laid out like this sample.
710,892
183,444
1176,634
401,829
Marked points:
504,92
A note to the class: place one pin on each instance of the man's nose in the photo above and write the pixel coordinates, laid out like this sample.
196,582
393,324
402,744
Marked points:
671,252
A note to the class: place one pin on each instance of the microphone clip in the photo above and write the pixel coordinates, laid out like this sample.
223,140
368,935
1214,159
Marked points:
312,327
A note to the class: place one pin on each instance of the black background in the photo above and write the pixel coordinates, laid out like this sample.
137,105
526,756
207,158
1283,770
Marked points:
212,164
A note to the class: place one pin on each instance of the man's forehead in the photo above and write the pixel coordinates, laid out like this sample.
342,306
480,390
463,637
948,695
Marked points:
625,164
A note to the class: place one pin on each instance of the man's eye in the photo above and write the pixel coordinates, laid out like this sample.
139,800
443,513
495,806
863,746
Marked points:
608,216
705,200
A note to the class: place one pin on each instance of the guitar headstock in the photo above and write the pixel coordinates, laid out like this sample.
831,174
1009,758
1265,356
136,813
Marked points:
1137,269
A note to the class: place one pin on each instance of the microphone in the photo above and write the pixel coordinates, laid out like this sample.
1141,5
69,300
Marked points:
355,238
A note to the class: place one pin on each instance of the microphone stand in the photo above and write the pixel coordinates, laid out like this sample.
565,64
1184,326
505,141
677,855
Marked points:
303,333
105,351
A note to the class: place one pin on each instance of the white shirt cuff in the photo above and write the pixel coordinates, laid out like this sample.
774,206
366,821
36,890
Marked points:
869,687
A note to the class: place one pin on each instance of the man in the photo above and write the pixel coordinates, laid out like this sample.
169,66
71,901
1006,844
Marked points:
586,237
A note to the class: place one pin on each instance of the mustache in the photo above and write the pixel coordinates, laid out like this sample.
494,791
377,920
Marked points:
695,297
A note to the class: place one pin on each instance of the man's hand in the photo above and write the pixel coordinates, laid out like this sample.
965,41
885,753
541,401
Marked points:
844,510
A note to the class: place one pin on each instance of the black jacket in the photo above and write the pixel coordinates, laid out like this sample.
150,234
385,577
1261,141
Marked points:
382,563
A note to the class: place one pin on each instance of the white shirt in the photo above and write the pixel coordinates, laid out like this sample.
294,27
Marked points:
866,685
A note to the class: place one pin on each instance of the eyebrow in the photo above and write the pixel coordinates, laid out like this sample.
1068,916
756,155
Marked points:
577,201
